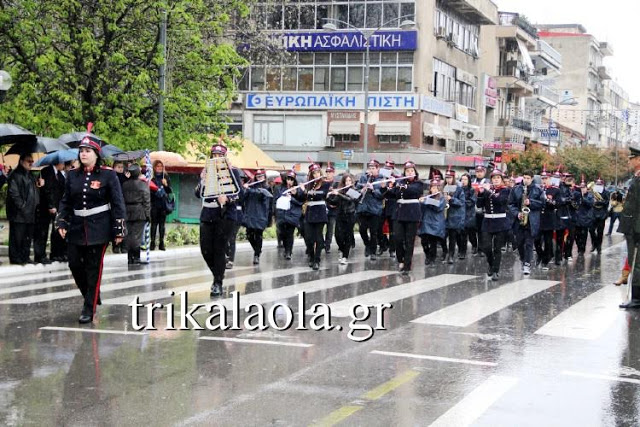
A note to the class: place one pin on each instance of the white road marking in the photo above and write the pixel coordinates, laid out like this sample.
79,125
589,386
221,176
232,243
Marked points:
203,286
67,282
396,293
589,318
32,277
91,331
434,358
471,310
247,341
601,377
476,403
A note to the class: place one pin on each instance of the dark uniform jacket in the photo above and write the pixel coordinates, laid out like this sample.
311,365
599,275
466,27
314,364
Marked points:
536,202
548,214
232,210
89,190
433,222
494,202
346,206
137,199
584,213
257,207
564,209
470,199
372,202
403,191
600,206
456,211
317,212
630,217
332,209
50,193
22,196
293,214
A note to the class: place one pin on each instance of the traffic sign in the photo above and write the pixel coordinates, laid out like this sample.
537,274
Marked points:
347,154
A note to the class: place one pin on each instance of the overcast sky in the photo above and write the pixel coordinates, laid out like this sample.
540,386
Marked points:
613,21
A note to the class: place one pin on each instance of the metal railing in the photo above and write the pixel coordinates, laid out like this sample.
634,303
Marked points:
546,48
543,90
508,18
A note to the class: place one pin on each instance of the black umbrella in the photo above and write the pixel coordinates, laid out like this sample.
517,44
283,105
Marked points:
14,134
52,144
27,147
109,151
129,155
73,139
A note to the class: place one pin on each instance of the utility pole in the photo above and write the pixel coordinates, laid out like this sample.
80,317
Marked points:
163,72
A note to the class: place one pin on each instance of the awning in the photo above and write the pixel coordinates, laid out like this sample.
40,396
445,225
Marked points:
250,157
429,129
393,128
525,56
346,127
449,134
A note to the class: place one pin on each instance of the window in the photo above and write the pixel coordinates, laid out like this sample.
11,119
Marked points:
393,139
257,78
444,80
347,139
321,79
466,93
428,140
464,34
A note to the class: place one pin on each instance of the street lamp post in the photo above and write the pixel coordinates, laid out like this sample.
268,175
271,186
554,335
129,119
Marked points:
405,23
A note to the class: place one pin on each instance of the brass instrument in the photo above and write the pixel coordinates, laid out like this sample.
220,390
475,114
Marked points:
218,179
596,195
524,209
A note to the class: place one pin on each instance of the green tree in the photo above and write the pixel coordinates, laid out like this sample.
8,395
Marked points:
79,61
533,159
593,162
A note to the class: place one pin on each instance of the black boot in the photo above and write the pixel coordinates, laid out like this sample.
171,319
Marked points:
161,245
86,316
216,289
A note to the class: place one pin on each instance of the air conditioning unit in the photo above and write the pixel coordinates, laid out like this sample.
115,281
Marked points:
330,141
470,135
473,148
238,99
441,33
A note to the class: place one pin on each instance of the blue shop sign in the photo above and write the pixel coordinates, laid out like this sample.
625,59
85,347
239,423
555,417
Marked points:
331,101
350,41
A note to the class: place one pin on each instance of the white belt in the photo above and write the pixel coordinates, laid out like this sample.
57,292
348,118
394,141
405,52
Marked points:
404,201
564,217
93,211
239,208
495,216
210,205
316,203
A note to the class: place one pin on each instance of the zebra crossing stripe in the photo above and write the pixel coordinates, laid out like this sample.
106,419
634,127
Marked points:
471,310
105,288
66,282
203,286
30,278
396,293
308,287
476,403
589,318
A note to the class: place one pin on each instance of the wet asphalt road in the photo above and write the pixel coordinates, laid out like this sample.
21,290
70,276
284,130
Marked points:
551,349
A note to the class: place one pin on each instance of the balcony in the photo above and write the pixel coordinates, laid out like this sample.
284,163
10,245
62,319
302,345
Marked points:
549,55
544,91
603,73
606,49
514,19
479,12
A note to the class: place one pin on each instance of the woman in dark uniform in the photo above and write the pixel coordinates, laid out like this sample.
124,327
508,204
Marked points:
315,216
408,214
287,220
92,213
346,217
469,231
494,199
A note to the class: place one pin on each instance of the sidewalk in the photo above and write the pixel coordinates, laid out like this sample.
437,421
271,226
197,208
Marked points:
7,269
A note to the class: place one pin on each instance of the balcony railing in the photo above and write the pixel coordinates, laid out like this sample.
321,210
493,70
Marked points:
515,69
546,48
547,92
521,124
507,18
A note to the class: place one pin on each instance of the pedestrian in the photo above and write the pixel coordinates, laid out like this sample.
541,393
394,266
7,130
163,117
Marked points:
46,212
369,208
548,222
345,216
630,227
493,200
469,231
331,210
137,199
476,240
583,200
433,226
406,194
525,203
257,209
58,244
92,213
455,212
22,201
315,214
600,212
288,211
159,204
216,223
616,206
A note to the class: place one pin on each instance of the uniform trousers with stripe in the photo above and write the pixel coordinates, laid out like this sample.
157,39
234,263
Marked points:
214,237
85,263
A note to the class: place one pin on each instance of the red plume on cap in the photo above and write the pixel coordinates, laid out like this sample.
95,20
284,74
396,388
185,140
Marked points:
582,183
89,127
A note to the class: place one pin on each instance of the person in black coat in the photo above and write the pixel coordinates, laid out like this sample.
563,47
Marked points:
58,244
158,208
331,210
493,200
257,209
216,222
566,227
476,240
288,212
469,230
548,219
523,198
583,201
455,212
46,211
22,201
345,216
600,213
137,199
315,214
407,193
92,213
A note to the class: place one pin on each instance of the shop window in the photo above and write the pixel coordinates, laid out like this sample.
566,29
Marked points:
347,139
442,142
393,139
428,140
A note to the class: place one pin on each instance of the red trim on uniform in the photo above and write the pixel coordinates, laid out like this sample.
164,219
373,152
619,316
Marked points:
95,297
